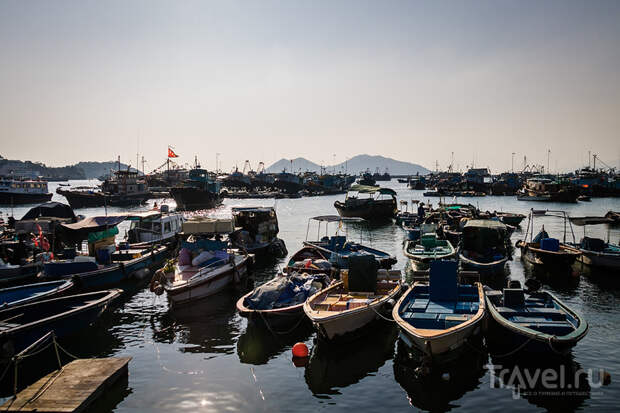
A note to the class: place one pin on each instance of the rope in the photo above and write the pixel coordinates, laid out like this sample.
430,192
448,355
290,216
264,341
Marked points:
303,315
381,315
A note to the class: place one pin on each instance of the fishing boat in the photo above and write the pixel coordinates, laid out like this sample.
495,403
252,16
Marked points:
126,188
403,215
200,191
24,294
440,316
157,226
532,321
509,218
544,189
15,191
380,203
597,252
205,266
343,309
543,251
337,249
256,230
280,301
428,248
485,246
104,266
24,324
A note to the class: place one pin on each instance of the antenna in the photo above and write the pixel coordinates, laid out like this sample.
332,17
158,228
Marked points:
513,162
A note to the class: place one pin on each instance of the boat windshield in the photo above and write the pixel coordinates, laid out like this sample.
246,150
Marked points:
341,221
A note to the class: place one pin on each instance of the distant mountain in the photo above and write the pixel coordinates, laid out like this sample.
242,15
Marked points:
360,163
298,164
354,165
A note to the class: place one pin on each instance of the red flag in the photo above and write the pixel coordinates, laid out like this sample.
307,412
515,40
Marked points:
171,154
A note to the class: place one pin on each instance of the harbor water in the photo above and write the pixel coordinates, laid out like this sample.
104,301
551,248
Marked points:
206,358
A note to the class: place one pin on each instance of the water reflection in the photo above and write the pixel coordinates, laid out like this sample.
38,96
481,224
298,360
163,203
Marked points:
210,325
558,384
258,345
332,367
435,389
565,282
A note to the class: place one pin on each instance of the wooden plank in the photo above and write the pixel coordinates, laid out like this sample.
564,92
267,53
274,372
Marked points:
79,384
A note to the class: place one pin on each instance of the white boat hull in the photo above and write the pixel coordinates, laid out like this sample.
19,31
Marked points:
209,282
440,345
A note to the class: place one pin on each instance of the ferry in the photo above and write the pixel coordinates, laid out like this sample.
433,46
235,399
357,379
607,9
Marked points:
15,191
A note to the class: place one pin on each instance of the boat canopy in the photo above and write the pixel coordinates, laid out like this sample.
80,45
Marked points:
252,209
337,218
481,234
486,223
50,210
82,229
582,221
368,189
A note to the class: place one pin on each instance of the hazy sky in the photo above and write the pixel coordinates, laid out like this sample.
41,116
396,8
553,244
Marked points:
262,80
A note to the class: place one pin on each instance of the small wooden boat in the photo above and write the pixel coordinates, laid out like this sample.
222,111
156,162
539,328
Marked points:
22,325
427,249
14,274
440,316
584,198
125,265
509,218
375,207
335,250
257,232
533,322
484,246
544,251
286,295
339,310
214,268
23,294
558,256
597,252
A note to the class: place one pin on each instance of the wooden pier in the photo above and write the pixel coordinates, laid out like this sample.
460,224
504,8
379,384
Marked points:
73,389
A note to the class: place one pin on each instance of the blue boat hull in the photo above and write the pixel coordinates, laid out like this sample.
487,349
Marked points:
118,273
63,316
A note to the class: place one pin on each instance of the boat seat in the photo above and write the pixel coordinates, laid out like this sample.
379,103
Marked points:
468,297
441,307
557,328
455,320
423,320
464,307
418,305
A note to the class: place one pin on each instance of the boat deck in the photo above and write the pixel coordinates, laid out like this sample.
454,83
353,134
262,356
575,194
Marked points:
536,313
72,389
423,313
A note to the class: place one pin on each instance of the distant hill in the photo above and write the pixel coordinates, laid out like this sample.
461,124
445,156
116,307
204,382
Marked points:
81,170
298,164
354,165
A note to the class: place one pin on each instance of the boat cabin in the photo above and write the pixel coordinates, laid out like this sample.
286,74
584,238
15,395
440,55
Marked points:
153,226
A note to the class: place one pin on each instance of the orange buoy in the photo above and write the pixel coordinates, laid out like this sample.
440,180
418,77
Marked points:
300,350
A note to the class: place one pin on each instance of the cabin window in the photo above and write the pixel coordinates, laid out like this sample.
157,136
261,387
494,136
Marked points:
166,227
157,227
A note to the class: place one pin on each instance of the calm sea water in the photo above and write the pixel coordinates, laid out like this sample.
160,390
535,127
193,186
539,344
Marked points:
207,358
